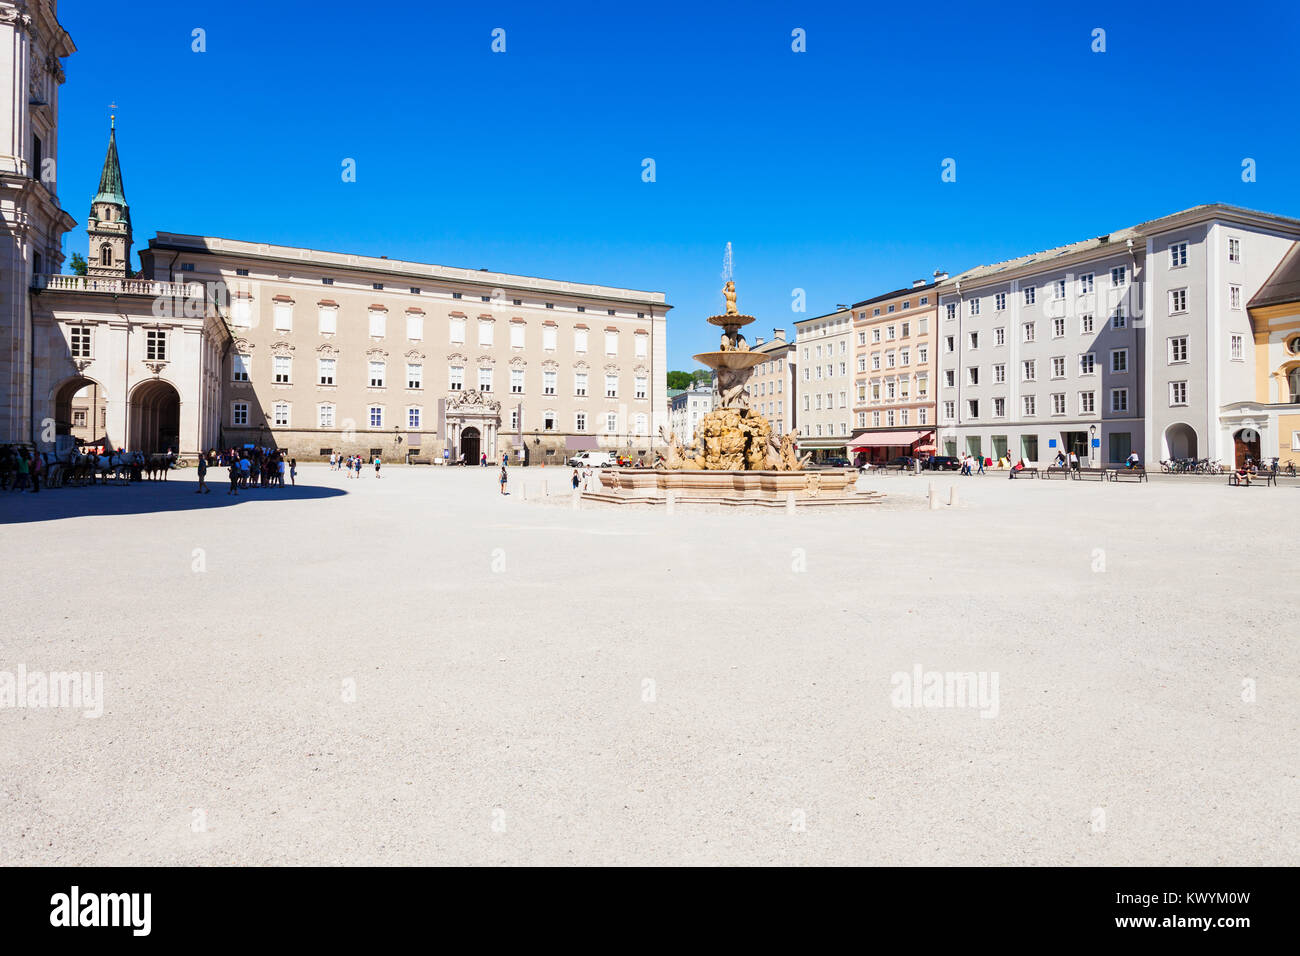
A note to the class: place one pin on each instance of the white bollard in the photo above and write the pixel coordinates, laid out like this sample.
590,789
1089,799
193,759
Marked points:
789,502
934,498
952,496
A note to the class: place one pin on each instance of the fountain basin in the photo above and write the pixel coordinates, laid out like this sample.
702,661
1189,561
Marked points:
730,321
770,489
732,360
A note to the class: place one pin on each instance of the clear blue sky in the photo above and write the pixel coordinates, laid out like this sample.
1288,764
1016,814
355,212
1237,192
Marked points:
822,168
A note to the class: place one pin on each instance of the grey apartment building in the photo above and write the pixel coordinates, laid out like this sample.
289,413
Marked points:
1132,341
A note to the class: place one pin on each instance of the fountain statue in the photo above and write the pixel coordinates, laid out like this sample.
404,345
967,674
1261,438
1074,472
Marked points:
733,457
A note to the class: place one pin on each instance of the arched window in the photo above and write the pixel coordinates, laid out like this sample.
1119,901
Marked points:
105,255
1293,379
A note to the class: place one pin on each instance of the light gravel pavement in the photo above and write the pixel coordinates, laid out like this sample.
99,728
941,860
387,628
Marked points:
538,684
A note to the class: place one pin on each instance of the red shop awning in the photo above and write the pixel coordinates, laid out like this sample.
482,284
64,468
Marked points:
898,438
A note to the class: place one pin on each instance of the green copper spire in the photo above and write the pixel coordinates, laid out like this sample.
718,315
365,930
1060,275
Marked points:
110,180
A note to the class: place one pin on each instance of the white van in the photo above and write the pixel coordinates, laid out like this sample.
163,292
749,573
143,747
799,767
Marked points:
591,459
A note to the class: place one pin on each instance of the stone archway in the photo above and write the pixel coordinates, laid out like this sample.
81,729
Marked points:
154,418
1180,441
470,444
79,410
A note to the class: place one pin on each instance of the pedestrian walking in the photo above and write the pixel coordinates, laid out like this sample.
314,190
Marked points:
203,477
484,461
576,481
377,466
293,471
1074,462
503,479
981,461
235,475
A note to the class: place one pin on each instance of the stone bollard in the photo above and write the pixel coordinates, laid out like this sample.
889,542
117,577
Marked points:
934,498
952,496
789,502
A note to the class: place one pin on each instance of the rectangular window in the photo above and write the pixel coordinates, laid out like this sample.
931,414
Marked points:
1119,277
1029,331
1178,255
1058,366
1058,403
1058,328
1000,302
517,335
999,407
1058,289
642,386
580,422
376,374
1177,301
1085,324
155,345
974,340
376,416
280,368
280,414
949,411
549,334
1087,402
974,306
1234,250
1087,363
457,329
973,407
972,375
1236,349
1119,399
328,319
1234,297
611,343
611,385
1177,393
1030,406
1030,369
241,313
580,383
1119,360
999,336
325,416
951,313
414,376
889,418
1178,349
485,380
999,373
903,333
611,422
922,416
239,413
949,377
282,316
516,381
414,327
413,418
922,325
923,354
642,346
378,323
548,381
485,333
239,368
949,343
1086,283
514,419
80,341
1030,294
1119,320
456,378
325,371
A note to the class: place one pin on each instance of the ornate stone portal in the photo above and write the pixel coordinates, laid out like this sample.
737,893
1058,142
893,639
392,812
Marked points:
734,458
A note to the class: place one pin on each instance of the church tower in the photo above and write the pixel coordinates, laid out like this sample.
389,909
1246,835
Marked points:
109,224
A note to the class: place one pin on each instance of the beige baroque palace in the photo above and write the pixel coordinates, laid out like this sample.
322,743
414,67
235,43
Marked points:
220,342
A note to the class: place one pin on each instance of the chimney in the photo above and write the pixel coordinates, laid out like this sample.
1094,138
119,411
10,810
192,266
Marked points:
758,341
940,275
778,334
917,283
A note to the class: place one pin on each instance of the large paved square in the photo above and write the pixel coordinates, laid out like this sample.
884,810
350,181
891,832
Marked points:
538,684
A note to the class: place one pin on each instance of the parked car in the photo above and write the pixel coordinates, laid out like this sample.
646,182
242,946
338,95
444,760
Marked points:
902,461
591,459
834,463
941,463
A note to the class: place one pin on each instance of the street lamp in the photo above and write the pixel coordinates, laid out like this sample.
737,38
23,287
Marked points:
1092,434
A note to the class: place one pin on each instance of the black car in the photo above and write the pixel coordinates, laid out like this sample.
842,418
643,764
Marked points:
941,463
902,461
835,463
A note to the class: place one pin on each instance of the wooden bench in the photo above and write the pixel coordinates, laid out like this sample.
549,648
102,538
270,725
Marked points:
1264,478
1090,474
1136,473
1024,473
1056,471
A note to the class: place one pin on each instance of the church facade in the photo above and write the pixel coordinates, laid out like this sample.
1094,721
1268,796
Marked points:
219,342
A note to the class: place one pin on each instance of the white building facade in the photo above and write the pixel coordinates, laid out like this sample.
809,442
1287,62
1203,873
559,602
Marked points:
824,357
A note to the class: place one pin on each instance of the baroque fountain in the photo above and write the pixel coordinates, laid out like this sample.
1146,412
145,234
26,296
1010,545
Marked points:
734,459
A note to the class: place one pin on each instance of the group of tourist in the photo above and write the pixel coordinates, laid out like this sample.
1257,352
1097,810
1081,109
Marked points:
353,464
24,467
247,468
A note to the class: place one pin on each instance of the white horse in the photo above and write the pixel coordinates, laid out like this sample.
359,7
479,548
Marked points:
116,465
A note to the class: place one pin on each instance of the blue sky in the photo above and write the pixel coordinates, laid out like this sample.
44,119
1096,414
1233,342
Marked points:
821,167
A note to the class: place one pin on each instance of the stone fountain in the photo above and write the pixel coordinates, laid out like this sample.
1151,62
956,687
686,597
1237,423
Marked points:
734,458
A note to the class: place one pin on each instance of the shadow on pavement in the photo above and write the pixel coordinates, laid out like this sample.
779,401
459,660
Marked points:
145,497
